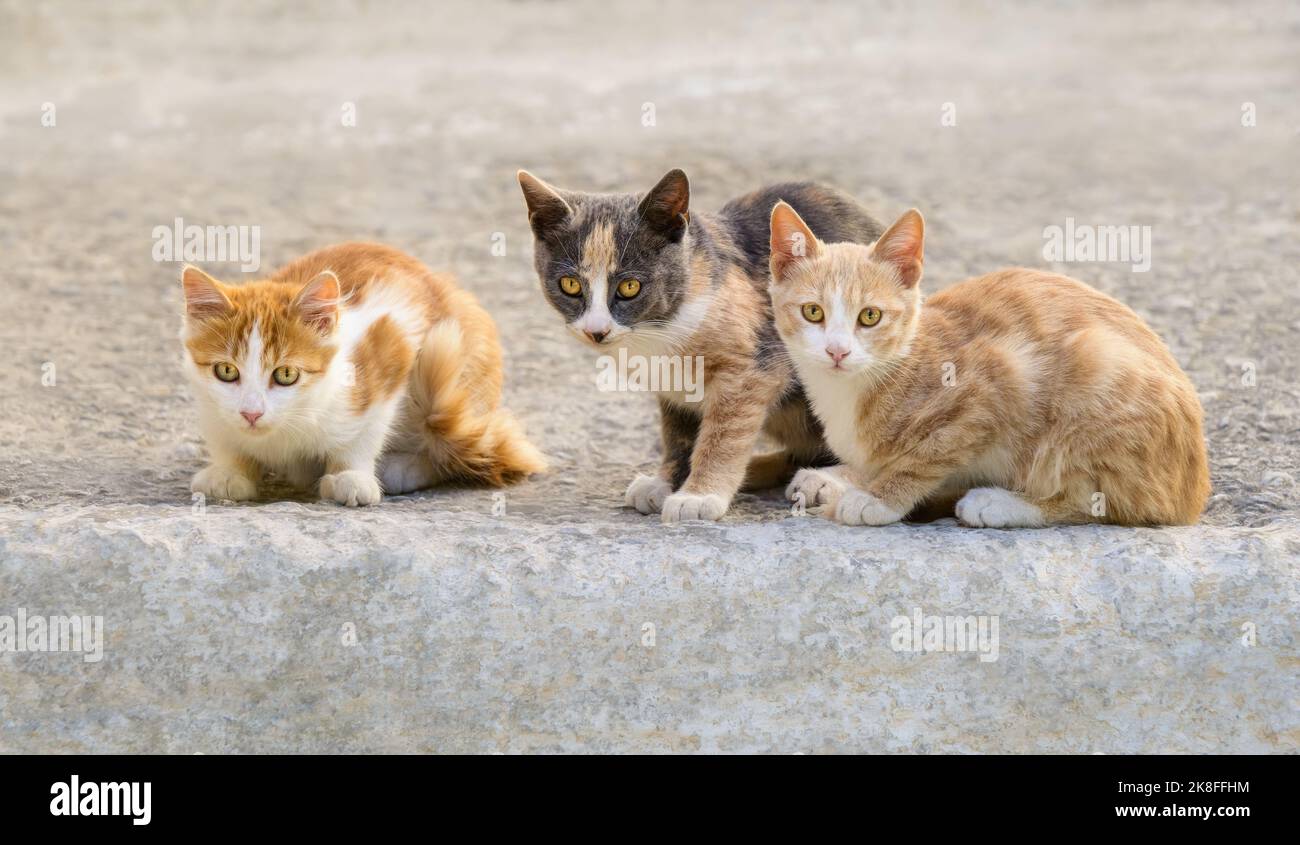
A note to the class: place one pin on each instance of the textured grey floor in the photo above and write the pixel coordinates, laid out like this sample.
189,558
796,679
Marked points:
525,630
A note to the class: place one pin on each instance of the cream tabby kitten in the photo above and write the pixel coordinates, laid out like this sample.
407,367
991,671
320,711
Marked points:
1023,397
354,367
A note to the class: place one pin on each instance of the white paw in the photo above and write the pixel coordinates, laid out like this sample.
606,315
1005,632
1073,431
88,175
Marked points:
221,482
646,493
682,506
815,487
858,507
351,487
402,472
993,507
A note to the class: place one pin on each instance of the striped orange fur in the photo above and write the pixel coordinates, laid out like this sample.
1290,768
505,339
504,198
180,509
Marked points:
1019,398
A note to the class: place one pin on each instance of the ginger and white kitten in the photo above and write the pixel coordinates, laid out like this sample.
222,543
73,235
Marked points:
354,367
1023,397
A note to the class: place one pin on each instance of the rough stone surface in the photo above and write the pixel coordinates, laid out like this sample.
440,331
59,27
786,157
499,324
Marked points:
483,631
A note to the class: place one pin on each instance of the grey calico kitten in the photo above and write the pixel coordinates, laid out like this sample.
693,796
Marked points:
644,273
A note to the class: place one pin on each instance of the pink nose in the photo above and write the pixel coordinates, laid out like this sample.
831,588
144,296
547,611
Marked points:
251,416
836,355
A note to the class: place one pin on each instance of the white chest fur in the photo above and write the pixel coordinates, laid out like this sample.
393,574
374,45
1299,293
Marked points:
836,400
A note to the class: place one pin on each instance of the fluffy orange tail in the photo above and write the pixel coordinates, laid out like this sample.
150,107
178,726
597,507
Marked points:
469,436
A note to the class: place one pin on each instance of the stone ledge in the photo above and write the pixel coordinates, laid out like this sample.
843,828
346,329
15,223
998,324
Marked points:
225,633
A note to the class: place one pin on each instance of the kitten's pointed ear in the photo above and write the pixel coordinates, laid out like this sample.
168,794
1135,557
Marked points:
318,302
903,246
545,205
666,208
792,240
203,295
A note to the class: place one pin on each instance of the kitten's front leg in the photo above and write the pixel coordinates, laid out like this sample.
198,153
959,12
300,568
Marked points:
352,487
350,476
230,476
734,411
892,493
679,427
861,507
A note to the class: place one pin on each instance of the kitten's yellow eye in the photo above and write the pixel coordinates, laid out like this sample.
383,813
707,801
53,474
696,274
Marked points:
570,285
629,288
226,372
285,376
869,316
812,312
